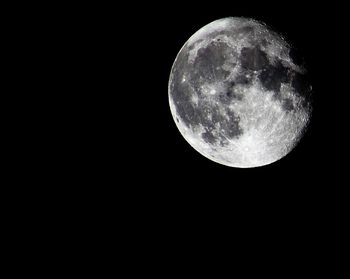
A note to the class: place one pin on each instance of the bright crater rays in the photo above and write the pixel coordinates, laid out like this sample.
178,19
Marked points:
236,94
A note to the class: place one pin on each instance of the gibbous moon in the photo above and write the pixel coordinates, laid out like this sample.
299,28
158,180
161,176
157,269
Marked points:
238,94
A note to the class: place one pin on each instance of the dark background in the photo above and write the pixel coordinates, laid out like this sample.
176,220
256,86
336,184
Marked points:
101,171
115,163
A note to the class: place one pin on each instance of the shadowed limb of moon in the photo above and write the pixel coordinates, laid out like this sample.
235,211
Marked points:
238,95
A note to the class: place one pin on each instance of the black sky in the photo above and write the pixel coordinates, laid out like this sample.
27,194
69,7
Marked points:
115,175
125,170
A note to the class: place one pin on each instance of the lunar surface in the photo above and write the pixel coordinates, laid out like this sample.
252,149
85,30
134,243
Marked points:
238,94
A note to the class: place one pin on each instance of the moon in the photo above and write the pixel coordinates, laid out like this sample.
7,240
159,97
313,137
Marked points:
239,94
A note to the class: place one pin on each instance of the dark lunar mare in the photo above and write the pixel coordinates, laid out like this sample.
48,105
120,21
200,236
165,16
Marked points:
272,76
207,67
253,58
208,63
180,92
